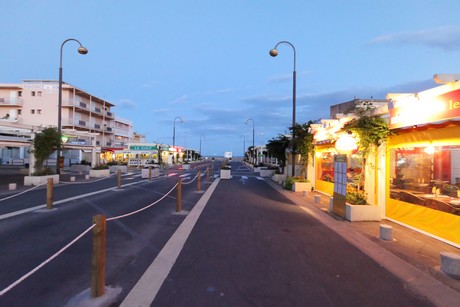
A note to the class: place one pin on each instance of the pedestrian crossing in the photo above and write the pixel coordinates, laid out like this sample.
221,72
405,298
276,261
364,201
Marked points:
238,177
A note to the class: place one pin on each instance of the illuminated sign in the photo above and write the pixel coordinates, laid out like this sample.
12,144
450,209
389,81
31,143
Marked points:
142,147
412,111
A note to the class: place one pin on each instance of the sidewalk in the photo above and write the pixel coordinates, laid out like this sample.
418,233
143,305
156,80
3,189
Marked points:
415,248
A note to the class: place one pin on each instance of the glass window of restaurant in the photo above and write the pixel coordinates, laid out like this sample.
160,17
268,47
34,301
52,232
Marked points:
423,169
325,169
428,176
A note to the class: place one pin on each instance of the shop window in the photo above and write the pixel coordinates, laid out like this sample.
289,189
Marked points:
325,168
426,176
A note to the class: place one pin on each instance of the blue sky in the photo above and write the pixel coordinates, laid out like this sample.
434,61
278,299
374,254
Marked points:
207,61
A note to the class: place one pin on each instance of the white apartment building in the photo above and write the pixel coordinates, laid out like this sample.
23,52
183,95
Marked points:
87,121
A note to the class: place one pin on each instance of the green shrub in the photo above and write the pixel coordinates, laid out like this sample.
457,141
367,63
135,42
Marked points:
290,181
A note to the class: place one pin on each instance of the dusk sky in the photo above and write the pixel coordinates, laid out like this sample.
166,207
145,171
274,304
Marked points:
207,61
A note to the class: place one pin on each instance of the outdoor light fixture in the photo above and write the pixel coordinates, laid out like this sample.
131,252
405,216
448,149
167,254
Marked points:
81,50
174,129
253,147
274,53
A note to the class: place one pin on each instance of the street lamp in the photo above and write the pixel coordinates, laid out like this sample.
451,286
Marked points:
274,53
81,50
253,147
174,129
201,136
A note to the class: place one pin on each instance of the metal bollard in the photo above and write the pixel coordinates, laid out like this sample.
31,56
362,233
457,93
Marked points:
179,195
49,194
99,253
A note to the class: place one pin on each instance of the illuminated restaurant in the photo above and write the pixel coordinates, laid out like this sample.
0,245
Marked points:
423,160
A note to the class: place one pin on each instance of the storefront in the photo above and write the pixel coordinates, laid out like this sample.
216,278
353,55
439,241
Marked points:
423,161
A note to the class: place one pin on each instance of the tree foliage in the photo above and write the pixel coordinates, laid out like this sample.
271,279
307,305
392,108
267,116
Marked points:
303,143
45,143
277,148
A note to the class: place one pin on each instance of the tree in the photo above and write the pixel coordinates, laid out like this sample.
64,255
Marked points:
277,148
45,143
303,144
371,131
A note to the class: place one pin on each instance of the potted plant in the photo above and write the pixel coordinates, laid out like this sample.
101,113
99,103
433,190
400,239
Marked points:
225,171
101,170
298,184
44,144
357,207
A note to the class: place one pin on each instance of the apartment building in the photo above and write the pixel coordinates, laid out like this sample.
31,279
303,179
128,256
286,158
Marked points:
86,120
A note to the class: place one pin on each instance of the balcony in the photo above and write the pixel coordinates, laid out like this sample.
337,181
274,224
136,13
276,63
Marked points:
11,101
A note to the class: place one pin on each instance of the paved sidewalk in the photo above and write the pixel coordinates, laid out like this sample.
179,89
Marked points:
415,248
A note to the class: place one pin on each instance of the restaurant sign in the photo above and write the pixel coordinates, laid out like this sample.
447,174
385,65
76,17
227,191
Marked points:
412,110
143,147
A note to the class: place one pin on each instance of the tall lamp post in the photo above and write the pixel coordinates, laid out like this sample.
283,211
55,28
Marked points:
81,50
201,136
174,129
244,144
274,53
253,147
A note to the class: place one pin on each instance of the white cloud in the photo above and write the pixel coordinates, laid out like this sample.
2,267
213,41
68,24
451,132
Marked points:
447,38
180,100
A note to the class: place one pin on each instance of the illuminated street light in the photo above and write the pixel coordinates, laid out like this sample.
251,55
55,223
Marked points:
81,50
274,53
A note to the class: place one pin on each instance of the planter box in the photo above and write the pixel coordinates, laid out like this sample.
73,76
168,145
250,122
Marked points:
185,166
38,180
99,173
301,186
362,213
266,172
116,168
155,172
279,178
225,174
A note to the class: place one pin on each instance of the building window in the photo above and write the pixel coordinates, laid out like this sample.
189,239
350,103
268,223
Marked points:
19,93
19,111
32,111
33,93
39,111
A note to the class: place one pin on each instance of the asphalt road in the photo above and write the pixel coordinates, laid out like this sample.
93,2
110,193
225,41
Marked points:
253,247
133,242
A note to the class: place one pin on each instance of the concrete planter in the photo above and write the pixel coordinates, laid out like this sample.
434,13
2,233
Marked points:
99,173
155,173
279,178
301,186
116,168
266,172
225,174
38,180
362,213
185,166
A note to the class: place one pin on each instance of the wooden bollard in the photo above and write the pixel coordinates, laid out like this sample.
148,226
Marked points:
150,173
198,182
49,194
207,174
179,195
119,180
98,260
